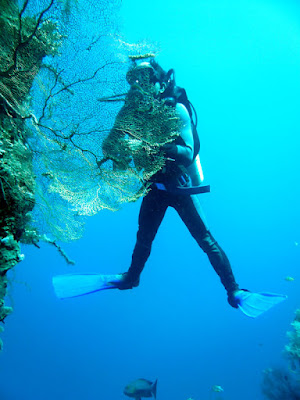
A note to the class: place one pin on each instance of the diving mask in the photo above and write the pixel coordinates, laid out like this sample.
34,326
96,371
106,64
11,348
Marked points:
141,75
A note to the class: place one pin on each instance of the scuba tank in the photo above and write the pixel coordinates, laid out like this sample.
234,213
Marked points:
195,172
190,181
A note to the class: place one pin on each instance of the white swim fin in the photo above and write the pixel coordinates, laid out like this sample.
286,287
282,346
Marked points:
73,285
255,304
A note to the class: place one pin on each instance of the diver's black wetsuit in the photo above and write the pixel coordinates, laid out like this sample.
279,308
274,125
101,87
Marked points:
152,211
156,202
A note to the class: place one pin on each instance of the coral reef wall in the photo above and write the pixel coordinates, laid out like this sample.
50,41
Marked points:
24,42
292,349
61,87
284,383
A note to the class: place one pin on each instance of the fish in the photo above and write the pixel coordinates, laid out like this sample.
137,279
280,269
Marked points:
141,388
289,278
217,388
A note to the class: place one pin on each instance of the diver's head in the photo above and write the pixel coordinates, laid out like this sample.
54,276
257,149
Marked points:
150,76
140,75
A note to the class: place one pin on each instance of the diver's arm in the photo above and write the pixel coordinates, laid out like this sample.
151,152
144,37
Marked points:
183,154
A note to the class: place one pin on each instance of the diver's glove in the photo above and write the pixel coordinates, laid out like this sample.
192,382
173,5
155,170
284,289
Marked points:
181,154
170,150
234,298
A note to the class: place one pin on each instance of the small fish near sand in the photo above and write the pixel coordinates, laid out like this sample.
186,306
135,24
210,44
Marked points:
141,388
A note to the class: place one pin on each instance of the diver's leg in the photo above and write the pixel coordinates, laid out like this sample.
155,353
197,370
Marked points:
153,208
190,211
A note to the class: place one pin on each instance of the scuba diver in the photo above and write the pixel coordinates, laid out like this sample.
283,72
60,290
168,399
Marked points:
170,187
177,184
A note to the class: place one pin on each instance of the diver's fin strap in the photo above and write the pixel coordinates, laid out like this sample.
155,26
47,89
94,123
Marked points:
184,190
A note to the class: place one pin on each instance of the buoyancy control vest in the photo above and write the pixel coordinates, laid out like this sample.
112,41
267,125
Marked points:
192,179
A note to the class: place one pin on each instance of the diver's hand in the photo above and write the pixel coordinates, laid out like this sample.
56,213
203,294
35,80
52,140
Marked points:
170,150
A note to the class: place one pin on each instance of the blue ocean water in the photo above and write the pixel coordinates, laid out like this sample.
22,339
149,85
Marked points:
240,64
